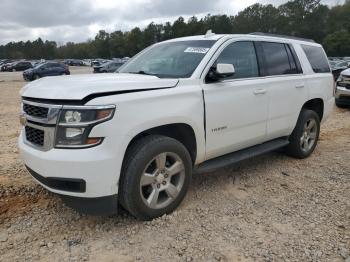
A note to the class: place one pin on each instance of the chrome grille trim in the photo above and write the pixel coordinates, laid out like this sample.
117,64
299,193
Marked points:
48,124
52,114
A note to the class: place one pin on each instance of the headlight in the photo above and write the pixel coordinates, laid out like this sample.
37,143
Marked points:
76,122
340,78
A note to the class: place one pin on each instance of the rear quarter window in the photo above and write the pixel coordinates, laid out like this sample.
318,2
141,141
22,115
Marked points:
317,58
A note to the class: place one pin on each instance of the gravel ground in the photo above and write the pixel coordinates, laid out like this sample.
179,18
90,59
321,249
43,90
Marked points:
270,208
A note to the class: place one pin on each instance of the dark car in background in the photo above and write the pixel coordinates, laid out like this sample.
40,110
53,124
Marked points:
109,67
46,69
18,66
73,62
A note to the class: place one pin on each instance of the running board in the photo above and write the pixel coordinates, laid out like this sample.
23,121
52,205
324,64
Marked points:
235,157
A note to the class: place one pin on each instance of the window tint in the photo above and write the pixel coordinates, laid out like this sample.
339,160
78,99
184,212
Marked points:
243,57
293,66
276,58
317,58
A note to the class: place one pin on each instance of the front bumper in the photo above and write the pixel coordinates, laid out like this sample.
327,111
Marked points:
95,206
342,95
95,170
27,77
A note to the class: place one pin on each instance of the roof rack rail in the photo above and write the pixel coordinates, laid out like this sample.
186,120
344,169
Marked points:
283,36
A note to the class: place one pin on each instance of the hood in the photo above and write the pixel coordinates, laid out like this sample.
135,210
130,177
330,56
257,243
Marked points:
77,87
346,72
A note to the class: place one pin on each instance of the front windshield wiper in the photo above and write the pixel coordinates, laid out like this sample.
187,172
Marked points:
141,72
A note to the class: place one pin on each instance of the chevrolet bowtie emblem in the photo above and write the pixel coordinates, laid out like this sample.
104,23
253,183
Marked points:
22,120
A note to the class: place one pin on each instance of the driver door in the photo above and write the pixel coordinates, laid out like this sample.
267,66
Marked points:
236,107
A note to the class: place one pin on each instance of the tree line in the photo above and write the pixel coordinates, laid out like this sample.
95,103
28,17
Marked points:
303,18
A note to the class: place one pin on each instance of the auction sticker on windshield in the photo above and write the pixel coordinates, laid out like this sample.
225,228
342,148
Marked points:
198,50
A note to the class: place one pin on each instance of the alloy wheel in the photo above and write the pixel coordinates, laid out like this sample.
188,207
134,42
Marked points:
162,180
309,135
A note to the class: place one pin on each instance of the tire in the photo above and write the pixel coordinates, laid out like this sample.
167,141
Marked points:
144,162
13,70
305,136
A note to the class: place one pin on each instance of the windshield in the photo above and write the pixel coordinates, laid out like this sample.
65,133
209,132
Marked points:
38,65
170,60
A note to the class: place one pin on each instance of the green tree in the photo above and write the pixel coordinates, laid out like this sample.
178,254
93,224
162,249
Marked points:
338,43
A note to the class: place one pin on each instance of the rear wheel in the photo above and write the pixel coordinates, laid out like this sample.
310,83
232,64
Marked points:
155,177
305,135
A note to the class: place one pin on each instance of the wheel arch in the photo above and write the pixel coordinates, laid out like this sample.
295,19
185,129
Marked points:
181,132
315,104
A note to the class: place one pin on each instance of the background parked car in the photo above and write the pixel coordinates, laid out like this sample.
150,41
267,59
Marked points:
5,61
339,67
73,62
19,66
109,67
98,62
86,62
46,69
4,66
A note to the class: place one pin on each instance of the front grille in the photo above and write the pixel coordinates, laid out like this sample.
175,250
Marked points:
35,111
34,136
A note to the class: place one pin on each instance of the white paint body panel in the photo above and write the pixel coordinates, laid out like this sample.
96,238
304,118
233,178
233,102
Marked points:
76,87
249,118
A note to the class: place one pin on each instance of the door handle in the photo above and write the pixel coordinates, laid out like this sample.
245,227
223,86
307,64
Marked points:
300,86
259,91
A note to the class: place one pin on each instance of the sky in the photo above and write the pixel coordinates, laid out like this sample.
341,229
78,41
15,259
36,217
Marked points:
79,20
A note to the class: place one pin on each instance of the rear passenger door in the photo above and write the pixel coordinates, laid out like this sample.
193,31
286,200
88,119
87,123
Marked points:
282,73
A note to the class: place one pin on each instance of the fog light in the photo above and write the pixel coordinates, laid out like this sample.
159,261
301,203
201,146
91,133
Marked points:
74,132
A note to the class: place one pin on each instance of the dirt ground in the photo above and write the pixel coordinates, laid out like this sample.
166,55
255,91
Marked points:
270,208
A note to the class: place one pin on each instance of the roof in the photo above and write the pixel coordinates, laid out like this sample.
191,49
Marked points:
257,36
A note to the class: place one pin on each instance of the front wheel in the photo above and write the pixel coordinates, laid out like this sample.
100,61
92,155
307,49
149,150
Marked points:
155,178
305,135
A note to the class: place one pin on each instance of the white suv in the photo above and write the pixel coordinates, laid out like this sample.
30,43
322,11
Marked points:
186,105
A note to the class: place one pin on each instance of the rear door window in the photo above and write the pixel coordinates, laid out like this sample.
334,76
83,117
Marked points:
317,58
277,60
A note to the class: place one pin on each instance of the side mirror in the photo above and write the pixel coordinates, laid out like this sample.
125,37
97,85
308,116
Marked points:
220,71
225,70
